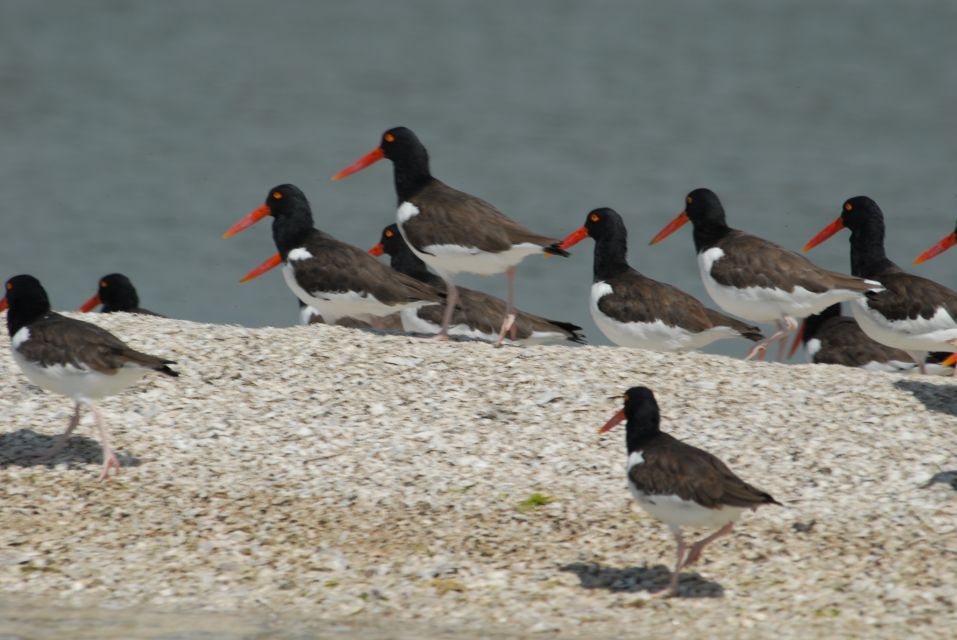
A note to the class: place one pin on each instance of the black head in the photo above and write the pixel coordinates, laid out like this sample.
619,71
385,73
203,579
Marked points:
641,406
401,144
391,240
27,300
860,212
605,223
703,207
285,199
117,293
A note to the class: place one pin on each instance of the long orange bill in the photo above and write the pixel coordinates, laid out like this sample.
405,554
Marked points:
824,234
3,304
940,247
370,158
89,304
797,339
255,216
615,419
671,227
271,262
573,238
377,250
948,362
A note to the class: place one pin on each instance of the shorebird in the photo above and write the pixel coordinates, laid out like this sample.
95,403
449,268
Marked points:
679,484
477,314
333,277
756,279
633,310
911,313
452,231
116,293
73,358
831,338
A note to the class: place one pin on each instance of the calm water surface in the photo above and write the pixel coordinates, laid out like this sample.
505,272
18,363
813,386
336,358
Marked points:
134,134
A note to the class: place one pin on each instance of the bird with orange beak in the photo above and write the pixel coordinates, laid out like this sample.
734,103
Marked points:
333,277
452,231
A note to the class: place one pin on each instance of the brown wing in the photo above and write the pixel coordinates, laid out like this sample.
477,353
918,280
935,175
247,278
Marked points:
338,267
449,216
843,342
907,296
750,261
58,340
637,298
671,467
485,312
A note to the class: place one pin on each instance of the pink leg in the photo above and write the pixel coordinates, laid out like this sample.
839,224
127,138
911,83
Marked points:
786,327
672,589
451,299
699,546
109,458
509,322
61,440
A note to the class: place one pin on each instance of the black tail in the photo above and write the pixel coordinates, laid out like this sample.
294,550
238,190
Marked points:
574,332
555,250
166,370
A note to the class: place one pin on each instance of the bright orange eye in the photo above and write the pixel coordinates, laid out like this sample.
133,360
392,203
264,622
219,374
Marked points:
626,397
593,217
388,233
103,284
848,206
389,137
9,287
276,195
689,199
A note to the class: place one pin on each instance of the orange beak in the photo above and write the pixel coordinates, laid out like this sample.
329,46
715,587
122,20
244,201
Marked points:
272,261
615,419
3,304
573,238
255,216
797,339
89,304
949,362
370,158
824,234
671,227
940,247
377,250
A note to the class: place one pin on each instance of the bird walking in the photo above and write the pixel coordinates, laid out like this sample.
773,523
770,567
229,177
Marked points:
73,358
756,279
679,484
452,231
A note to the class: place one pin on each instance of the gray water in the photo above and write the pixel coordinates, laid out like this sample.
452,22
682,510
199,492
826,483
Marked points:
132,134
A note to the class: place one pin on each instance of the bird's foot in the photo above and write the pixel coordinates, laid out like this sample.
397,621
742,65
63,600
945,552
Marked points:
439,337
109,461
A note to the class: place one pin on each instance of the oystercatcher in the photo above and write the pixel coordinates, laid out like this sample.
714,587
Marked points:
757,279
831,338
943,245
477,314
450,230
335,278
912,313
71,357
116,293
635,311
679,484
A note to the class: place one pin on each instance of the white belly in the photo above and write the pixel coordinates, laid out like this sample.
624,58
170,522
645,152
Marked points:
449,259
78,383
930,334
412,323
655,336
674,511
762,304
333,306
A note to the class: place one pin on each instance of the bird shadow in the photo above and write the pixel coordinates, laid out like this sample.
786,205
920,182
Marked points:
635,579
26,448
935,397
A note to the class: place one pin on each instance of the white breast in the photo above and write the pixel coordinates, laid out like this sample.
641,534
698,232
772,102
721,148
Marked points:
920,334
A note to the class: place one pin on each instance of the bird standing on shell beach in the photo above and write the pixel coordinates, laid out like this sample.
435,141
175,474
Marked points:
73,358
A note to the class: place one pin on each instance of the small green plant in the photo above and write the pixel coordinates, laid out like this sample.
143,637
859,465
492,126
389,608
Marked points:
533,502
